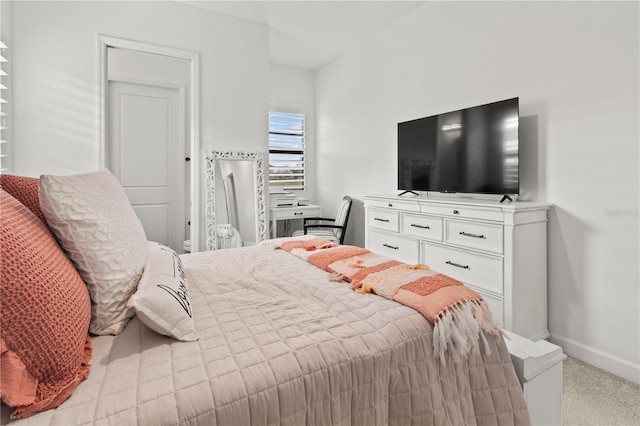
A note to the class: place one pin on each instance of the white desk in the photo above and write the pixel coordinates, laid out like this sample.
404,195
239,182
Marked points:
284,213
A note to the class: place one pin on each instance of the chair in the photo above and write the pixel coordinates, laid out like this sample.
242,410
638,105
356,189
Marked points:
321,227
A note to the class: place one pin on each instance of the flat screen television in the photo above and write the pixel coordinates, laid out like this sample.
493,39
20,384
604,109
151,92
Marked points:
472,150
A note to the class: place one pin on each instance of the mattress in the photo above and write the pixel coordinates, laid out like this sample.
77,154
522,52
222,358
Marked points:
279,343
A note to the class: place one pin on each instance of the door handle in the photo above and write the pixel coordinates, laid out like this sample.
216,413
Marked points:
415,225
457,265
467,234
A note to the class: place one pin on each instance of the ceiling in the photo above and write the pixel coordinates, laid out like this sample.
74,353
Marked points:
310,34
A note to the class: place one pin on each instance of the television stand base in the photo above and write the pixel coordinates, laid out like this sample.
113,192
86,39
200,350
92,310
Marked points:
504,198
407,192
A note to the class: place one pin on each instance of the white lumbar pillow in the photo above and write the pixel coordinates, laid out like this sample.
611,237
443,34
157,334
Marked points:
97,228
162,299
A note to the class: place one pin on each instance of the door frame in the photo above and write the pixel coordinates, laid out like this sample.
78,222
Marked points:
194,117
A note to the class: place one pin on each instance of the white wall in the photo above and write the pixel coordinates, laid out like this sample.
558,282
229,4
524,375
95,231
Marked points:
575,67
55,84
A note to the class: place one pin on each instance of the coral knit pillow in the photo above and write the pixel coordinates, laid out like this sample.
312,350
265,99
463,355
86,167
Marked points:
44,346
25,190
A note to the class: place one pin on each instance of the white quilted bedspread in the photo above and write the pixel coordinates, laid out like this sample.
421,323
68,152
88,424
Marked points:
281,344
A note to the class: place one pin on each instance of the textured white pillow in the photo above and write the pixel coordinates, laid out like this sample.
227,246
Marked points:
162,300
97,228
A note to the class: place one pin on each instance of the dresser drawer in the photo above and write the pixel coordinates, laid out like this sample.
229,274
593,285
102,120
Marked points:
298,212
395,247
383,219
422,226
478,270
464,211
393,204
482,236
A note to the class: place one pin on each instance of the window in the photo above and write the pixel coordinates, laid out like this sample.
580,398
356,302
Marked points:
287,151
3,114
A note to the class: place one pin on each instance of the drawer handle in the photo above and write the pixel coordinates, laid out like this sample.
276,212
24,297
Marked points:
415,225
298,213
380,220
466,234
457,265
456,212
390,205
391,247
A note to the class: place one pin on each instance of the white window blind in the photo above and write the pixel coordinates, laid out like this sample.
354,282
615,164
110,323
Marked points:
3,114
286,150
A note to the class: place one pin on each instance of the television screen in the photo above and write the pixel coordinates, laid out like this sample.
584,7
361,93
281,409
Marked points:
472,150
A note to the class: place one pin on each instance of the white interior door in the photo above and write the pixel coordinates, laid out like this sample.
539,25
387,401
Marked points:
146,141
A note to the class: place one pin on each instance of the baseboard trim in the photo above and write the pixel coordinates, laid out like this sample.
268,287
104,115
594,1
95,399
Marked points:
603,360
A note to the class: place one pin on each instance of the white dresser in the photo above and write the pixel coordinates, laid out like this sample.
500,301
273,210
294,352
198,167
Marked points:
499,250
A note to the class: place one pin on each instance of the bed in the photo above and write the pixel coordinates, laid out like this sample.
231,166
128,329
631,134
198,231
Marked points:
280,341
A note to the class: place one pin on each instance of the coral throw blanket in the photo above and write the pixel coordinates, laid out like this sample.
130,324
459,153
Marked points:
458,314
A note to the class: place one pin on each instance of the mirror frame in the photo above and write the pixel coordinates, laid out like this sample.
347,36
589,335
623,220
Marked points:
211,156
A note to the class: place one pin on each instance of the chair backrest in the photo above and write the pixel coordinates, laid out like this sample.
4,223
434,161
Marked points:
342,217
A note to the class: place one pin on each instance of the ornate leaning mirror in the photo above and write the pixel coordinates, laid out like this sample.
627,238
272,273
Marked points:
235,213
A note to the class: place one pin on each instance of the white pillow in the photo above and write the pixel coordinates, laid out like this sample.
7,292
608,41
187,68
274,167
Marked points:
162,300
97,228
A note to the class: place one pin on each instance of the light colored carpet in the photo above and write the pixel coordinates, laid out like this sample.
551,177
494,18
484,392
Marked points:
595,397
